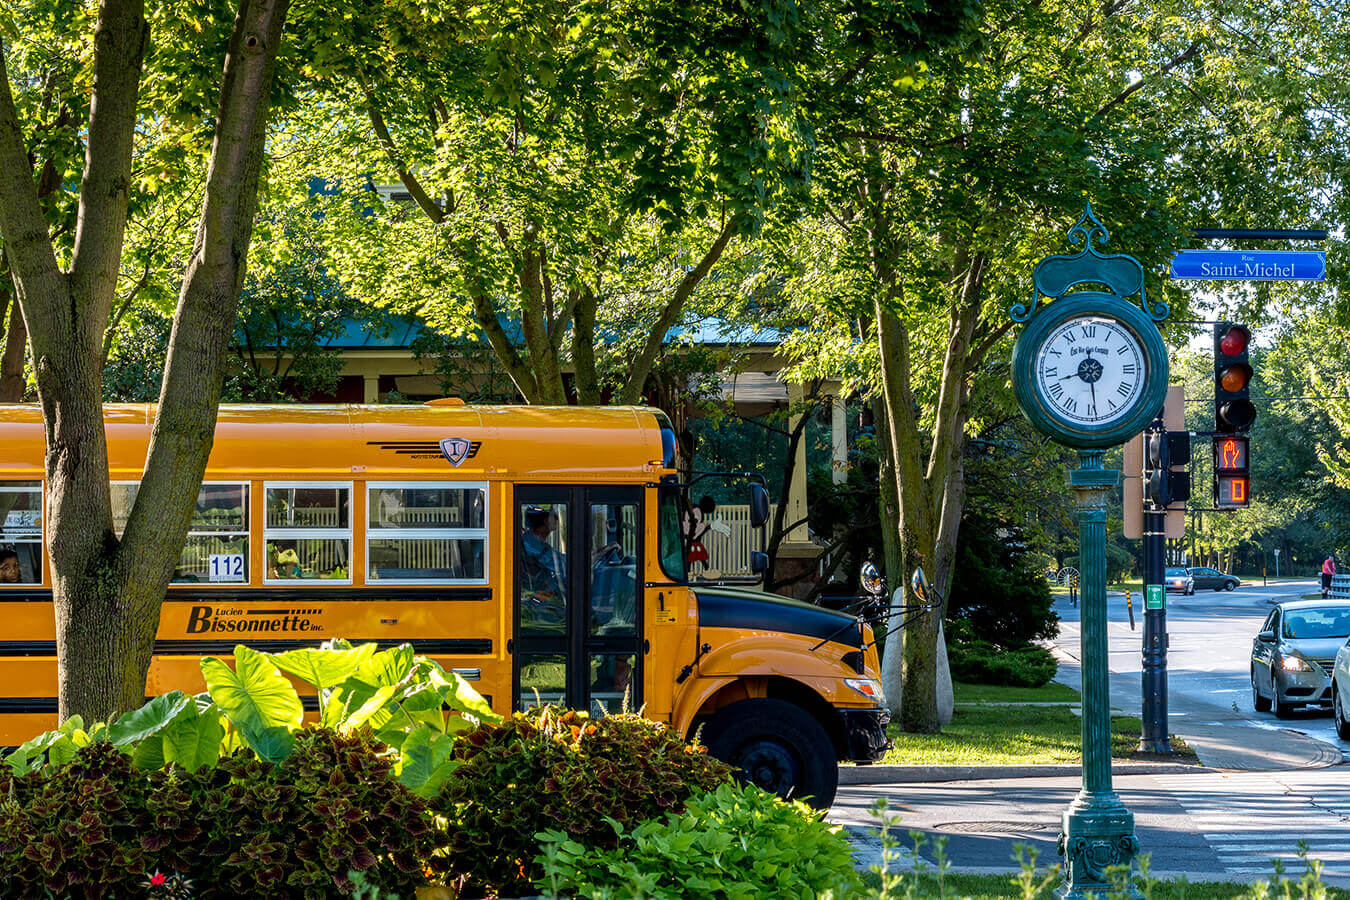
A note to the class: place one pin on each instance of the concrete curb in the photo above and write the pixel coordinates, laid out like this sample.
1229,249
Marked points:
919,774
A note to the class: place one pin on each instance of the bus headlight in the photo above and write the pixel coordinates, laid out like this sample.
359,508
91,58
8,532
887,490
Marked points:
868,687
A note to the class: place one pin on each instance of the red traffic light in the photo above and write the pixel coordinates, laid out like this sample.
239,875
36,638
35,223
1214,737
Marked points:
1234,342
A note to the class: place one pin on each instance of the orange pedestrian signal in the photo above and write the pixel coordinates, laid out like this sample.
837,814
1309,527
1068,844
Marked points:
1233,492
1232,480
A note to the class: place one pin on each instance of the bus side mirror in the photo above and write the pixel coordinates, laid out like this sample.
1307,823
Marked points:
759,562
922,589
759,506
871,580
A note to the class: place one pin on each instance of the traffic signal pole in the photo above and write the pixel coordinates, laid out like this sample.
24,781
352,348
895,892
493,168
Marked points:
1153,715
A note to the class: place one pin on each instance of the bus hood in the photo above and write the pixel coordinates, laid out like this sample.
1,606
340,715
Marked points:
731,607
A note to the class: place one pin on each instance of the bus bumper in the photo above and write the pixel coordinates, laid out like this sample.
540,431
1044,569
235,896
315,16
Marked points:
865,730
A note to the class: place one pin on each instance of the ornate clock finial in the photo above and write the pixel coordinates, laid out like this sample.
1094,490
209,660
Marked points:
1055,276
1081,235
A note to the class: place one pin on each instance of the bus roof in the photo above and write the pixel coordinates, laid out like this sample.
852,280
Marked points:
567,443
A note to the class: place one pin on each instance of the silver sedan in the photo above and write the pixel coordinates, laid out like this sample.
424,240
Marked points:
1294,653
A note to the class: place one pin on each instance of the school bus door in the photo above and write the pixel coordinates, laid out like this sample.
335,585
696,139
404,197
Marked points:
578,630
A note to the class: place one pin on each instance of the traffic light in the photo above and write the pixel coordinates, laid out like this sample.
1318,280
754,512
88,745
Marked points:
1232,478
1162,451
1233,409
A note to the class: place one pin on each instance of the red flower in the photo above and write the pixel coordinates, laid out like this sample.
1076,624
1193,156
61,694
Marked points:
157,879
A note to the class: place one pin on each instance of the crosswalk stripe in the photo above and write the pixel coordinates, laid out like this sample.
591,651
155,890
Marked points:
1250,820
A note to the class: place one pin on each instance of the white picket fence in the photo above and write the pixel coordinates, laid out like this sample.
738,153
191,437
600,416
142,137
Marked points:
730,554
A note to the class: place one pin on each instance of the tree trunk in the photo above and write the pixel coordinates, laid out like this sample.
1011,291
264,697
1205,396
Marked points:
12,381
108,593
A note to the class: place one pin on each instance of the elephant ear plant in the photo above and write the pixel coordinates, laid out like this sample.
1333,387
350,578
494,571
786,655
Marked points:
408,702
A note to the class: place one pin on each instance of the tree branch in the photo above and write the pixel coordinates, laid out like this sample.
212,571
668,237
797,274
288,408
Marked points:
121,38
38,280
405,175
1171,64
646,358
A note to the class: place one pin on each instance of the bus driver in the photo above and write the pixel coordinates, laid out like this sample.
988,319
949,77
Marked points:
543,570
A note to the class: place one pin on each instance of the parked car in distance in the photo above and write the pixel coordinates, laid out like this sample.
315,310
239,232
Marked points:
1213,578
1175,578
1294,653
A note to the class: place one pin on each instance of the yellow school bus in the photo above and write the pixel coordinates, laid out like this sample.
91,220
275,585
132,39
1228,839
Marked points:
538,552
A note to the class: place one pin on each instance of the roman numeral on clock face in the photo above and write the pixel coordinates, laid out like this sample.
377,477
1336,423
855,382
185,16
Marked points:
1123,389
1089,331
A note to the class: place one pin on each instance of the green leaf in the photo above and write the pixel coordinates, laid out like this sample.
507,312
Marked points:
148,755
323,668
272,744
193,740
254,695
388,667
62,750
149,719
426,761
375,704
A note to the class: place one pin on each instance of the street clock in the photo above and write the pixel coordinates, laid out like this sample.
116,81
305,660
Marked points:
1090,368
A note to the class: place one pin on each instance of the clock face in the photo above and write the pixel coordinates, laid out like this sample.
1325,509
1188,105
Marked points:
1090,371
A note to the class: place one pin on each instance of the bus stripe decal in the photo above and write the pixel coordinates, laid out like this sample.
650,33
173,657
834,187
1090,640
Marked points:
443,647
370,594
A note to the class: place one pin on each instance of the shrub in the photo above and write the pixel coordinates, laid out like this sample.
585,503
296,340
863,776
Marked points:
980,662
736,842
551,769
98,826
998,589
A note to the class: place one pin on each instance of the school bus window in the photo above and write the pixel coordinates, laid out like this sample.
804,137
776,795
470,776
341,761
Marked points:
216,548
543,569
613,571
426,532
671,536
20,533
308,532
543,679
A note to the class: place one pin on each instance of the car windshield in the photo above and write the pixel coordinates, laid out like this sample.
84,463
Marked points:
1175,573
1323,622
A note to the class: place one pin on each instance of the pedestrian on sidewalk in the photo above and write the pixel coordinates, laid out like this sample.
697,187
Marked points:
1328,569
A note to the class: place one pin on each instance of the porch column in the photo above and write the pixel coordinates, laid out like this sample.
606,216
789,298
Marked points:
838,440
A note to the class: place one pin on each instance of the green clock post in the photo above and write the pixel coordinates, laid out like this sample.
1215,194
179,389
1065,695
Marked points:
1090,371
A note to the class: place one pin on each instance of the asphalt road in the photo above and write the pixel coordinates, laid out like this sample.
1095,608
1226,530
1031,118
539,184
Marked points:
1209,654
1204,825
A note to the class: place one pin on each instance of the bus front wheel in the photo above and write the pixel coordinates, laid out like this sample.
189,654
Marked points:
776,746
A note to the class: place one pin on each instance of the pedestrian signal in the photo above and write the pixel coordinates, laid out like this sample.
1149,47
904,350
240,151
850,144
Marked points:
1232,477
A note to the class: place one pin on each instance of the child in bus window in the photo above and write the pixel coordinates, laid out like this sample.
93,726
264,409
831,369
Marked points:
9,567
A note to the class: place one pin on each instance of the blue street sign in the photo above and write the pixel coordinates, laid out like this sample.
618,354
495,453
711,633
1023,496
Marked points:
1250,265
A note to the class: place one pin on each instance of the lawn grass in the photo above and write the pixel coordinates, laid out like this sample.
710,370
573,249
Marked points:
998,887
998,693
1010,735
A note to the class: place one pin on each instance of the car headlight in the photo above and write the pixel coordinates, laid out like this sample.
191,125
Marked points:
868,687
1295,664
